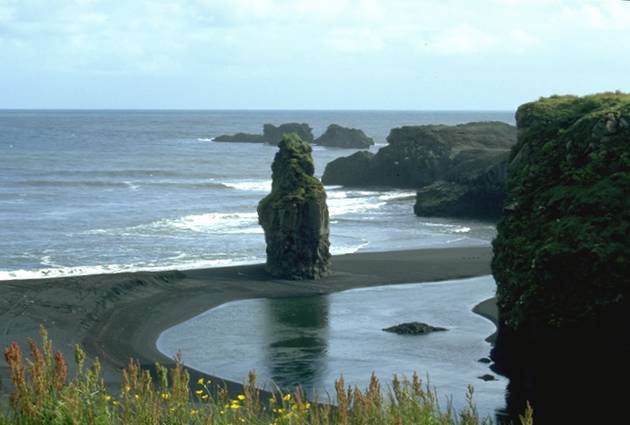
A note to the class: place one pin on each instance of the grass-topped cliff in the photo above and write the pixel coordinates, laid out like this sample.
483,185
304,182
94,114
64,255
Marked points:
562,258
562,254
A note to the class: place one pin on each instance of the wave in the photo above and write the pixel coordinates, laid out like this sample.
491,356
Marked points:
450,228
205,139
249,185
127,184
215,223
56,272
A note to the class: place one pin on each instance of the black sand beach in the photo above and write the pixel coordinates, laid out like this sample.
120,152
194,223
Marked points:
120,316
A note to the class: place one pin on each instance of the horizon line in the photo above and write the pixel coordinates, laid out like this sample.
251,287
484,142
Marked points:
256,110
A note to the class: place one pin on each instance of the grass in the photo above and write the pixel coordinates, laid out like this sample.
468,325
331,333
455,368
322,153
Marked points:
44,393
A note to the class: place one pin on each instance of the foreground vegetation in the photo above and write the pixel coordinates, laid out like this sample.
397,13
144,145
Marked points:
43,393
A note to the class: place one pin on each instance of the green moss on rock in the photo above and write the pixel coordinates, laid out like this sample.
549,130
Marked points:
294,215
562,254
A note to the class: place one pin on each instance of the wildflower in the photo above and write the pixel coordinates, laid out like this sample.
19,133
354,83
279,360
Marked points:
136,396
115,403
199,392
194,412
165,396
234,406
127,388
241,397
307,406
200,381
287,397
204,397
107,397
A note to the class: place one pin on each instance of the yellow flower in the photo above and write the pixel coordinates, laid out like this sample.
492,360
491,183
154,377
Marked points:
307,406
127,388
235,406
241,397
165,396
204,397
287,397
193,412
115,403
107,397
200,381
199,392
136,396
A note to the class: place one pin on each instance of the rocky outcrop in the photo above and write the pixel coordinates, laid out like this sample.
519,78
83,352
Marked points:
477,193
353,170
420,155
561,259
240,138
459,170
273,135
294,215
342,137
414,328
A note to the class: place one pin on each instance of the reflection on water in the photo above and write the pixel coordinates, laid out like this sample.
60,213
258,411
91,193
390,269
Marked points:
311,341
297,335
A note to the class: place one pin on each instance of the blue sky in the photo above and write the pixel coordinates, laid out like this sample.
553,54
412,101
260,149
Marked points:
308,54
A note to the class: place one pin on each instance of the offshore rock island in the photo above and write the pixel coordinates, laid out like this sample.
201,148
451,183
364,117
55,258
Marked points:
458,170
294,215
334,136
342,137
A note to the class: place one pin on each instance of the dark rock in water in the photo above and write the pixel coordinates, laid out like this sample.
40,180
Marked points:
484,360
562,260
240,138
471,158
352,170
413,328
295,216
273,135
343,137
487,377
479,195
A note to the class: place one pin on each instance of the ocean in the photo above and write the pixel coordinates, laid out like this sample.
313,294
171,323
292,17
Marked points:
84,192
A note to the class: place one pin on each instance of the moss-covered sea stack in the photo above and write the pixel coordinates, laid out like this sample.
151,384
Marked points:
562,258
294,215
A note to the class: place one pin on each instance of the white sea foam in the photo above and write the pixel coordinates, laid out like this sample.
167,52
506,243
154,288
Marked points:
121,268
251,185
217,223
205,139
390,196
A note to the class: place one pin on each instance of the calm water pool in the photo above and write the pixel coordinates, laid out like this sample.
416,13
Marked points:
310,341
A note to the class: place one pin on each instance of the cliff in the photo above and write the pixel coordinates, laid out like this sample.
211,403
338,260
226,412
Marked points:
294,215
343,137
562,258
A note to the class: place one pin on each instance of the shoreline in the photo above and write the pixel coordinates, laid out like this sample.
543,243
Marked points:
116,317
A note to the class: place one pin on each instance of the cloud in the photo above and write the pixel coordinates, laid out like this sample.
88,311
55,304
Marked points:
316,42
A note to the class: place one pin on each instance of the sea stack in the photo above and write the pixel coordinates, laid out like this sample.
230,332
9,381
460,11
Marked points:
294,215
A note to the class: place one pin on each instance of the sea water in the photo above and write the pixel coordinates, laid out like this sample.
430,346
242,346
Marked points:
86,192
312,341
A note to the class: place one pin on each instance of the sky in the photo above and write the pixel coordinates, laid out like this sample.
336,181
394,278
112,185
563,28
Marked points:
308,54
